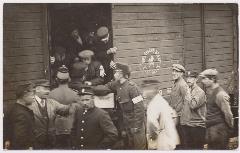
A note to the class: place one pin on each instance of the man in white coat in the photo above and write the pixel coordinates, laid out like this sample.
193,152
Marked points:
161,128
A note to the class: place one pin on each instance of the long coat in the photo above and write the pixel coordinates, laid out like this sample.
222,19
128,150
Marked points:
93,129
160,122
18,127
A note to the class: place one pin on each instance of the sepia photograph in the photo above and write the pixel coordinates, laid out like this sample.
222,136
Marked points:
120,76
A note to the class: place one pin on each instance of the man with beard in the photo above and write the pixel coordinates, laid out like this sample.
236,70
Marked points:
93,127
130,100
219,119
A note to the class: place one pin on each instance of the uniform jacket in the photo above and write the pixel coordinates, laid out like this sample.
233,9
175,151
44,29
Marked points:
18,126
92,73
53,108
64,95
180,94
130,100
194,112
93,129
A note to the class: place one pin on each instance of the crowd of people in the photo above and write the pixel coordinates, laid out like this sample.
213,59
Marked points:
66,117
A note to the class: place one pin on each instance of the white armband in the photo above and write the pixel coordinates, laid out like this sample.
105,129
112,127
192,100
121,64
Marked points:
137,99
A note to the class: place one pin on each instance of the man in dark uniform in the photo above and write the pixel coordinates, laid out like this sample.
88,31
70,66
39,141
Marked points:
104,52
92,128
130,100
219,119
180,94
18,124
94,72
194,112
64,95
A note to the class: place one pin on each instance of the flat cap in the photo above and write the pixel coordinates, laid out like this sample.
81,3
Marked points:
42,82
63,73
123,67
86,53
209,72
178,67
191,74
24,88
85,90
102,32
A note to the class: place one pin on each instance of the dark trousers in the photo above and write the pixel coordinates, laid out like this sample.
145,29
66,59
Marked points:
180,133
135,140
45,142
193,137
63,141
217,137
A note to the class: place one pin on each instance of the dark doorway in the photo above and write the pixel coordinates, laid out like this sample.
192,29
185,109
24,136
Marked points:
87,17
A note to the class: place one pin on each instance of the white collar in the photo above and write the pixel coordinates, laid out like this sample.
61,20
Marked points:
39,101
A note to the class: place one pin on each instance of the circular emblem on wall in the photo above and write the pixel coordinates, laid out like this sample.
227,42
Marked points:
151,61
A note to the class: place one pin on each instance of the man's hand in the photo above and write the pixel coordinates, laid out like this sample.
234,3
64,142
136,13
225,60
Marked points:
88,83
112,50
7,144
112,65
52,59
124,134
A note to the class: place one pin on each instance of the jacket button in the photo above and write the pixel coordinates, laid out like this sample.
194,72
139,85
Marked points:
81,145
81,129
81,138
82,121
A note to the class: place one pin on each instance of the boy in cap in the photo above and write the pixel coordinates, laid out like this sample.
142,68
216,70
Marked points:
45,111
131,105
180,94
104,52
64,95
219,119
18,124
93,127
194,115
94,72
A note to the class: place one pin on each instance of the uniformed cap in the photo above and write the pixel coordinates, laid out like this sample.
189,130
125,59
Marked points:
42,83
24,88
123,67
209,72
102,32
85,90
85,53
191,74
63,73
178,67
